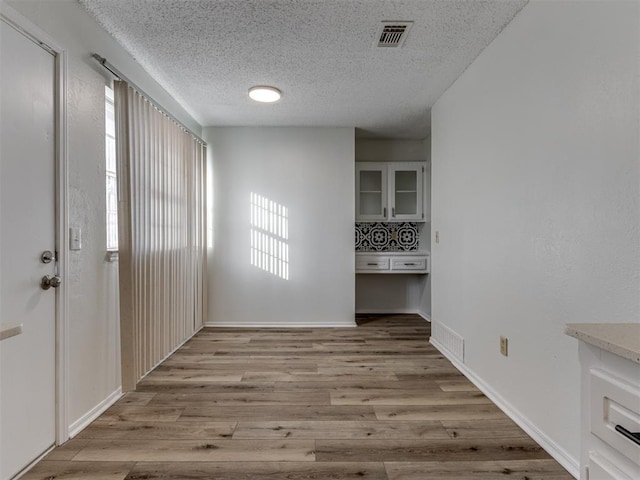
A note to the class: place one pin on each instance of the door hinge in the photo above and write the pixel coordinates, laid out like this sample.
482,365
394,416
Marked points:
422,169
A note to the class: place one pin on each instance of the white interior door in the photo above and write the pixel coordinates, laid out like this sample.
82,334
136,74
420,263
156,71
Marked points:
27,229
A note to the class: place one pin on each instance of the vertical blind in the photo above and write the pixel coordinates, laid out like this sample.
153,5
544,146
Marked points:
161,233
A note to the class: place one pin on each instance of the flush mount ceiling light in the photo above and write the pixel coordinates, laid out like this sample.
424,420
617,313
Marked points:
264,94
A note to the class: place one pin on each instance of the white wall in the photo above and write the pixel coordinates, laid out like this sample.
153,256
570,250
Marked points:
94,362
309,171
396,293
392,150
536,196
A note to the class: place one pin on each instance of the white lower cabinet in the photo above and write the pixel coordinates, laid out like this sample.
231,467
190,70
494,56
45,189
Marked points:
392,262
600,468
613,415
610,414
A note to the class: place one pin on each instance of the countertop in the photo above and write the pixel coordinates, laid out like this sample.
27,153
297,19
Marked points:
623,339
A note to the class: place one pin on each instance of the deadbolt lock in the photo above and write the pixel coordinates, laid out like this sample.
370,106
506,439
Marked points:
47,256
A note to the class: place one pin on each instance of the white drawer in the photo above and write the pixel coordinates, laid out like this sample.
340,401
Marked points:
409,263
372,262
615,402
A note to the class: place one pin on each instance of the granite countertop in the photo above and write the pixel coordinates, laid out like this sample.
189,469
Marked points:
623,339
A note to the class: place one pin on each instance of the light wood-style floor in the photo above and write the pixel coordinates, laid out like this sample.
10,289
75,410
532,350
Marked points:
374,402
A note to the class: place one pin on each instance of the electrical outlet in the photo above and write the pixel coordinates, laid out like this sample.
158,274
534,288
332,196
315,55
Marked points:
504,346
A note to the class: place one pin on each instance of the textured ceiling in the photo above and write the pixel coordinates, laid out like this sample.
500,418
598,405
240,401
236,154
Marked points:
321,53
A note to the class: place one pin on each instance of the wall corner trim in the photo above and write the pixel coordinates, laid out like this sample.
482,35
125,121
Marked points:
424,315
571,464
84,421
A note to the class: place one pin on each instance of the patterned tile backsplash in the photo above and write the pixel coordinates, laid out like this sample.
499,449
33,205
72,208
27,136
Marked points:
387,237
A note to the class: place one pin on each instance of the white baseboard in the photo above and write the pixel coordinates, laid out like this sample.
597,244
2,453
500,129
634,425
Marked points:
571,464
84,421
281,325
386,311
26,469
392,311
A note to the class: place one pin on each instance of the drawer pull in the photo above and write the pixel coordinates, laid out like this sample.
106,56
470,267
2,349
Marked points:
372,264
409,264
633,436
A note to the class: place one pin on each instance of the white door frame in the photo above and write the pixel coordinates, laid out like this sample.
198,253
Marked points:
32,31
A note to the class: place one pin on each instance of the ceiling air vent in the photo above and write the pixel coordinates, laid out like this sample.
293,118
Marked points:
393,33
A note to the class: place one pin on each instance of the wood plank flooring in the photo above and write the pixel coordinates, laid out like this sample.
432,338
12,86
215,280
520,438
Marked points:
376,402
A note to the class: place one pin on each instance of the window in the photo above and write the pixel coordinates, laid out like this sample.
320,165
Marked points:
112,182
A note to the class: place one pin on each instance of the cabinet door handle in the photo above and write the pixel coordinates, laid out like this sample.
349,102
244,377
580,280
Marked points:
393,212
384,212
633,436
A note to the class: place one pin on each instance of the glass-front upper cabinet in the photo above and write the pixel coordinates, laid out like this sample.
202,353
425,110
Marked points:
371,192
389,191
406,187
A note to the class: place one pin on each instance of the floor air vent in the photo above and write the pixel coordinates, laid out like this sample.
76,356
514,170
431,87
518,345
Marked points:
393,34
448,339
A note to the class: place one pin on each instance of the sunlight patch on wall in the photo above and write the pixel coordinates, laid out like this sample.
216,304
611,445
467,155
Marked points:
210,199
269,235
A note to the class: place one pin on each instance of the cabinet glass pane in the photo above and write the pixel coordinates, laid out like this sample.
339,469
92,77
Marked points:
406,195
406,180
370,203
406,203
370,181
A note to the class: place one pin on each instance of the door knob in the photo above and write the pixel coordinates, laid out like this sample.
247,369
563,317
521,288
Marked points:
48,282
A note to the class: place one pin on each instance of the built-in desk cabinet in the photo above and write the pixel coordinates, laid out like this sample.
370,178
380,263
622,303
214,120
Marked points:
392,262
390,192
